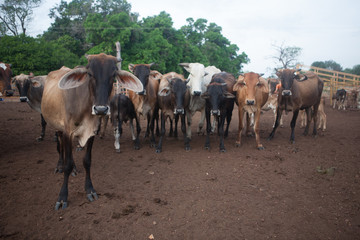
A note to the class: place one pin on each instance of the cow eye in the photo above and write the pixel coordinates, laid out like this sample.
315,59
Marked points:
259,84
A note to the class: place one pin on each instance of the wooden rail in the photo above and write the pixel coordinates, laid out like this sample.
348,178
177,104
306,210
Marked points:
334,80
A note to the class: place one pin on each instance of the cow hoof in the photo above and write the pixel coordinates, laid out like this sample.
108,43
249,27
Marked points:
136,147
187,149
207,147
260,148
61,204
222,150
78,148
158,150
92,196
39,139
117,150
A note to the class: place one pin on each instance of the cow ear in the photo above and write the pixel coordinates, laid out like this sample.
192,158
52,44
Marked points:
73,79
205,95
155,75
164,92
278,73
238,85
229,95
129,81
35,83
131,67
186,66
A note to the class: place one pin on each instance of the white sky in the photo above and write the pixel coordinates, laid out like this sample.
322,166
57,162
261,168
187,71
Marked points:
324,29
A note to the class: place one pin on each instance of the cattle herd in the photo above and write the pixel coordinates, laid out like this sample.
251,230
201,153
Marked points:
76,101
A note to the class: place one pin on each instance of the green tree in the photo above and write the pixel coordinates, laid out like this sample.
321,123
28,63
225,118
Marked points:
16,14
27,54
330,65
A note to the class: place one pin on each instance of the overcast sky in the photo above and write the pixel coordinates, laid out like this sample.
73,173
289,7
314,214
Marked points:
324,29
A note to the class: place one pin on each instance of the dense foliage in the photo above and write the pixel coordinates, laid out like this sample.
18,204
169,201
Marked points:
88,27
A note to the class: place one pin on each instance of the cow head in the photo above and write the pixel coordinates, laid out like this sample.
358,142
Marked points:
100,75
247,86
177,89
142,72
196,77
23,83
5,79
287,77
216,94
273,82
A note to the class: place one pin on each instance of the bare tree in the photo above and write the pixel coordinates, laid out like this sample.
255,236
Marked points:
16,14
286,56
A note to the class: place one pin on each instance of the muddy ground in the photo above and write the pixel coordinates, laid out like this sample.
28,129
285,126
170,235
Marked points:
306,190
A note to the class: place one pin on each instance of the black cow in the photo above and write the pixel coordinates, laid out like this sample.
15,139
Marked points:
219,97
122,110
174,98
339,99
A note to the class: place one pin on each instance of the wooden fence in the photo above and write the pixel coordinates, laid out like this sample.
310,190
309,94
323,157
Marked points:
334,80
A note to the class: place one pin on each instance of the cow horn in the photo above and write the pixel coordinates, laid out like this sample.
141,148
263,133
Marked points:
151,64
184,64
261,74
223,84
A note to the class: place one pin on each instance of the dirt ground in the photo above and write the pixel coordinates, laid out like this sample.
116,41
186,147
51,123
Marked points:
306,190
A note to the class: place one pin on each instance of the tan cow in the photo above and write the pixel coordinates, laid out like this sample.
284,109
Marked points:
146,102
73,102
321,115
252,92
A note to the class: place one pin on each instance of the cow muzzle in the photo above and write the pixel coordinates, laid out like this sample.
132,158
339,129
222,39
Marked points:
100,110
23,99
250,102
215,112
197,93
286,93
179,111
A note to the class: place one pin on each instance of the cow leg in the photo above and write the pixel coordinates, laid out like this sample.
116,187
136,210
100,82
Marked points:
213,125
221,133
43,127
201,122
171,130
68,167
183,129
308,120
241,125
257,130
90,191
315,116
278,117
159,146
60,150
322,121
292,125
176,123
117,139
189,120
103,125
138,130
249,119
208,130
152,123
228,120
156,118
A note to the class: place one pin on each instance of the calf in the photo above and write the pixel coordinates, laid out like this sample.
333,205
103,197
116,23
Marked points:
352,97
219,98
146,101
73,101
31,90
298,91
5,79
339,99
321,115
174,98
122,110
251,95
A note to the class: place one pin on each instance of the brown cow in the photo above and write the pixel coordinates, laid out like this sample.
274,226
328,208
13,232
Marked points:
73,101
174,98
298,91
321,115
146,102
251,94
5,79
